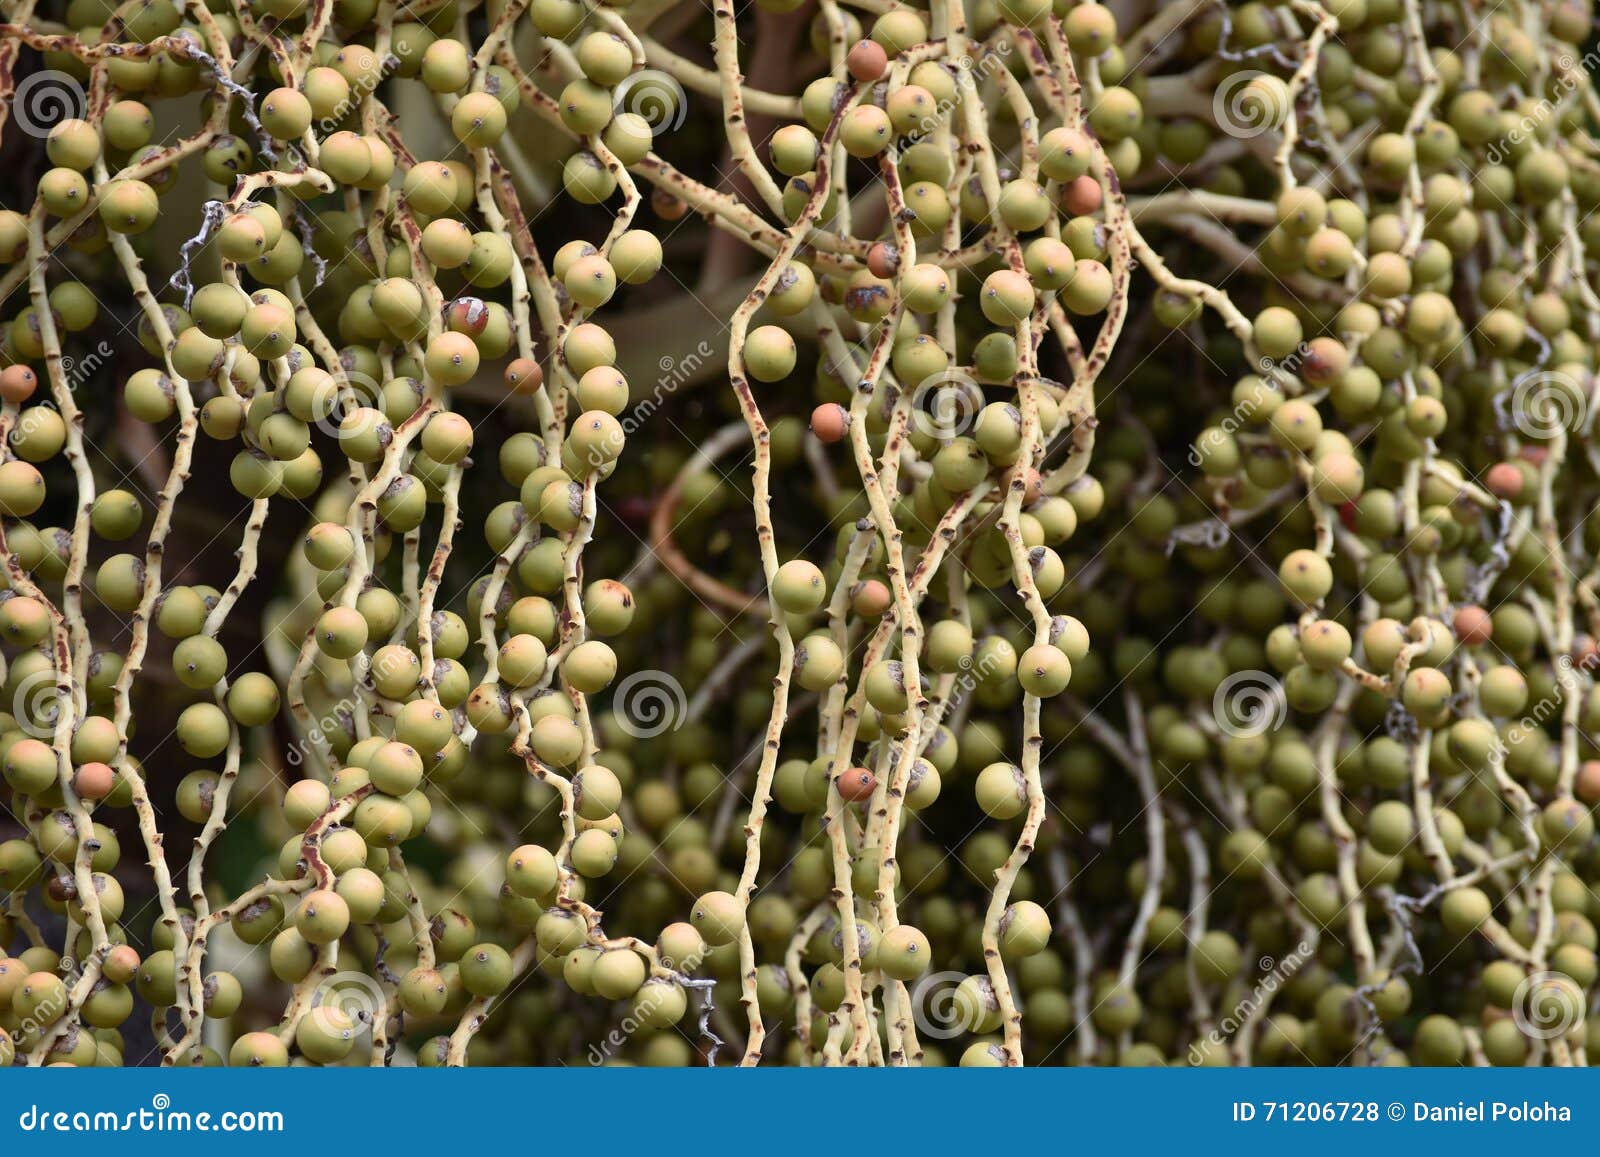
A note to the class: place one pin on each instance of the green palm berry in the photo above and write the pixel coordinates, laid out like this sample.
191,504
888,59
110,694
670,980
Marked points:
636,256
1001,791
866,131
1567,827
608,607
341,632
325,1035
769,353
1306,576
557,740
522,661
798,587
818,662
304,802
617,974
586,179
21,489
203,730
793,149
395,768
199,662
128,206
558,931
659,1004
322,917
1089,290
531,871
594,853
1024,930
486,970
1044,670
719,917
1006,297
597,792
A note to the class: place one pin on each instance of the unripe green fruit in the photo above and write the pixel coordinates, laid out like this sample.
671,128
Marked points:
597,792
1001,791
719,918
799,587
865,131
1006,297
1463,910
322,917
341,632
128,206
202,730
594,853
636,256
1044,670
531,871
1566,827
1024,930
258,1050
818,662
486,970
522,661
326,1034
769,353
659,1004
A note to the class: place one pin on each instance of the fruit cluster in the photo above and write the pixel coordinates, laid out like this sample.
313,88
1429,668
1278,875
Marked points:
1022,533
